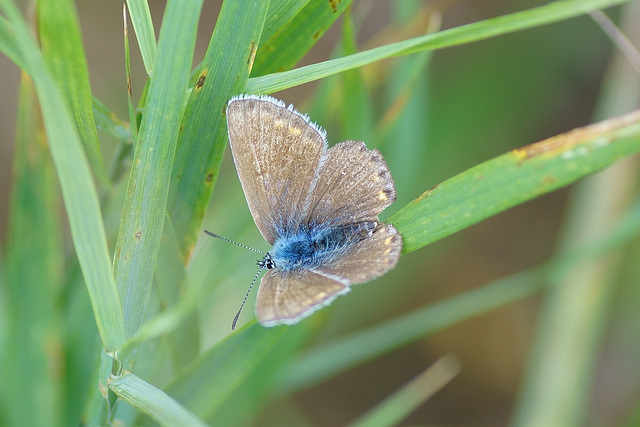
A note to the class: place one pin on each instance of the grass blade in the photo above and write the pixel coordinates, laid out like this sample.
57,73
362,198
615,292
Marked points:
144,209
223,73
552,12
515,177
9,44
32,392
400,404
78,191
127,67
63,51
290,43
227,384
280,13
324,362
179,322
560,377
573,317
173,287
145,34
152,401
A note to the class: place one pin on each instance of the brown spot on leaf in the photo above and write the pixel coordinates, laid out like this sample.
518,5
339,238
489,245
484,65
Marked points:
252,56
577,141
209,177
201,80
426,193
333,4
129,90
138,235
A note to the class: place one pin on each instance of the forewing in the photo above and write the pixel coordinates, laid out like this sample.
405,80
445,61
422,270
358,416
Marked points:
277,154
354,185
287,297
367,259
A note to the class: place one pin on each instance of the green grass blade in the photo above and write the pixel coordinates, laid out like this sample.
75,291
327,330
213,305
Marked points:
143,26
9,44
31,391
290,43
510,179
547,14
561,378
63,51
400,404
565,347
324,362
78,191
127,66
82,351
144,208
227,384
633,418
223,73
152,401
173,287
279,15
180,321
108,122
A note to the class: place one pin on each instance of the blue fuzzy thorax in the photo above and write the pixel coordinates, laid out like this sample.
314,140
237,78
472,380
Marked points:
315,246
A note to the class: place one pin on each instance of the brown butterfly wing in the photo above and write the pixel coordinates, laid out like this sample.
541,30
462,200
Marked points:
277,155
287,297
368,258
354,186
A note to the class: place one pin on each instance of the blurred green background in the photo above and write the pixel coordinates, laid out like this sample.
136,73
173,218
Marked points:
466,105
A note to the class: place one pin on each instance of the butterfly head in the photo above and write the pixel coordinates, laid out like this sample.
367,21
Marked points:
266,262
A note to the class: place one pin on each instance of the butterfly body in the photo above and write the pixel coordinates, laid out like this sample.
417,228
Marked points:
317,207
317,246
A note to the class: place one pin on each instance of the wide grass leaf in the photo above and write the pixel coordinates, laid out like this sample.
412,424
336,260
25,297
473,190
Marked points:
152,401
222,74
549,13
395,408
78,190
145,34
63,51
32,393
233,379
283,48
144,208
513,178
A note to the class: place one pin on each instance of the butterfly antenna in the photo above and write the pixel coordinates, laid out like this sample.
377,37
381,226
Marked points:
264,264
235,319
235,243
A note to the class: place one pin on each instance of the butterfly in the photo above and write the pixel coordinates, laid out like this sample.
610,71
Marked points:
318,207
